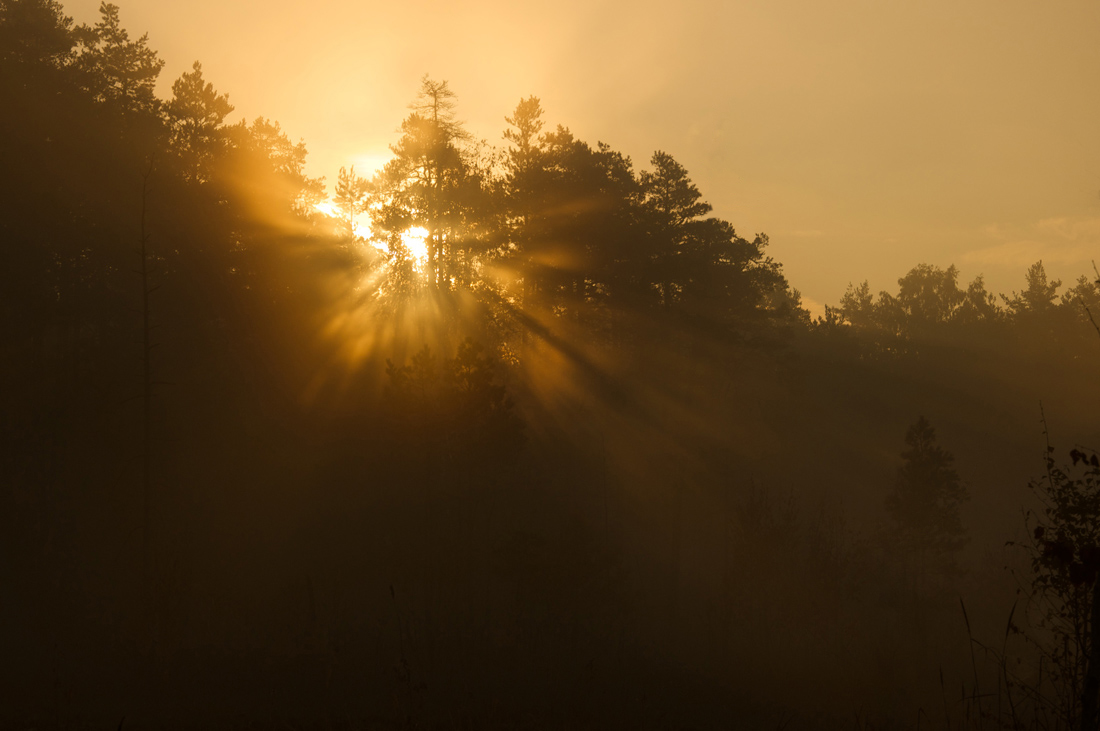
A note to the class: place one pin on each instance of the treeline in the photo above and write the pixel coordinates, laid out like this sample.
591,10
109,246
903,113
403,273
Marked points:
930,303
551,224
547,225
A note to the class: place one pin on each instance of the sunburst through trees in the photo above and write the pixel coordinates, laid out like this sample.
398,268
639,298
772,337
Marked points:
548,233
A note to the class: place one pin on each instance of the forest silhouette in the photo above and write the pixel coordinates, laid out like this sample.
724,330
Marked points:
504,435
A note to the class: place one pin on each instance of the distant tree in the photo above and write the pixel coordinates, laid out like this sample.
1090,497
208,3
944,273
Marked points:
731,279
857,306
787,305
454,409
978,305
924,503
672,203
1083,299
668,190
430,183
571,210
35,33
929,295
524,177
263,173
197,113
350,196
524,137
482,400
256,199
589,235
1039,297
115,69
928,298
589,215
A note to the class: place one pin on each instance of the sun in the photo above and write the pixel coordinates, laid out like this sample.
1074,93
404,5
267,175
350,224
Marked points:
416,241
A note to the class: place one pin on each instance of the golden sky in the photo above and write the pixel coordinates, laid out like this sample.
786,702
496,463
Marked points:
864,137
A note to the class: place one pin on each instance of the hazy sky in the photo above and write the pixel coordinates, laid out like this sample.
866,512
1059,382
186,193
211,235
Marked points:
863,137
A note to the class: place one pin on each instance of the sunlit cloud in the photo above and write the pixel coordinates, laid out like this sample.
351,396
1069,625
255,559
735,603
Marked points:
815,308
1060,241
1070,229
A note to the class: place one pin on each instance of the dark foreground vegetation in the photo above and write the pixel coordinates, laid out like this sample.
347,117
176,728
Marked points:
581,462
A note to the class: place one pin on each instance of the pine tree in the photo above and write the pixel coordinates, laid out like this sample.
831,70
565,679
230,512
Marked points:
197,113
427,185
349,196
925,503
1039,297
117,70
